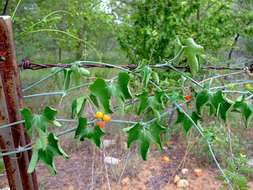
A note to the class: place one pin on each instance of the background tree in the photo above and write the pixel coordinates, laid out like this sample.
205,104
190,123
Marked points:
149,32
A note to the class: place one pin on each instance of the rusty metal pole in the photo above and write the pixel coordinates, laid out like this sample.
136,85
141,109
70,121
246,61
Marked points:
10,103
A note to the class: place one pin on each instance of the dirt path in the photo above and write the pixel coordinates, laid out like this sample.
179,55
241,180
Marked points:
155,174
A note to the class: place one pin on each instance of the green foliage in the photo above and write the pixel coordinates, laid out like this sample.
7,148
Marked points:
244,108
186,121
154,102
78,72
64,31
144,135
47,153
201,99
46,145
122,85
1,165
94,133
101,92
239,172
149,32
230,150
192,51
78,106
219,104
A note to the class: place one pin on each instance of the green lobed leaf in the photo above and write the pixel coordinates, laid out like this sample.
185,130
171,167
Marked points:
147,71
133,133
144,136
33,162
47,158
78,106
28,117
217,99
83,131
97,133
156,102
221,104
118,96
50,113
100,90
47,155
54,146
244,108
201,99
155,130
40,121
67,80
191,51
195,117
223,109
144,144
144,102
42,139
94,100
76,73
181,118
123,85
185,121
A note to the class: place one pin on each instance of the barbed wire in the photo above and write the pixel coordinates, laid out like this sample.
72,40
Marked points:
27,64
128,68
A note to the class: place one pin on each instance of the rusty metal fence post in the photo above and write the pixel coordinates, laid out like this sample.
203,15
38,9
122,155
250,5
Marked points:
10,103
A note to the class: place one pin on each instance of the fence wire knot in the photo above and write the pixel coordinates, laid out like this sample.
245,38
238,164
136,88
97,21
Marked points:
26,64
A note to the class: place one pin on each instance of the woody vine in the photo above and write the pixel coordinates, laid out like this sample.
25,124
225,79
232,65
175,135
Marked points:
144,86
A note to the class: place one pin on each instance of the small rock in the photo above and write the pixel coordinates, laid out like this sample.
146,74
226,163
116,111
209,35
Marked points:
125,147
250,162
185,171
198,172
107,143
182,183
166,159
111,160
71,187
176,179
6,188
124,188
125,181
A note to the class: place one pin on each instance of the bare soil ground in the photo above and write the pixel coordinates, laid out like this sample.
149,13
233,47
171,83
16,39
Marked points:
86,169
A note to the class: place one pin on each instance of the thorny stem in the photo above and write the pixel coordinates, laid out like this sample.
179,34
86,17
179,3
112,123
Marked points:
186,76
41,80
235,83
60,93
221,76
200,130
